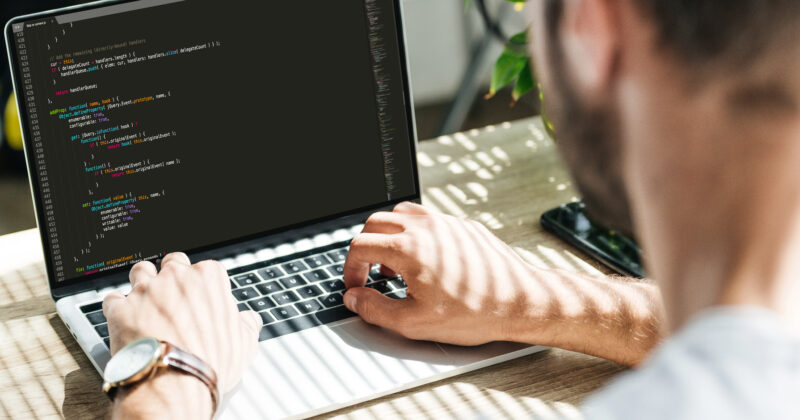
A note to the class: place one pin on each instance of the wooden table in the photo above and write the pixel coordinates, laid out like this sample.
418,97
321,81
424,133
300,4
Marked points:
504,176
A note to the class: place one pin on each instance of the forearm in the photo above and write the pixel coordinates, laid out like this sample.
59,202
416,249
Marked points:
168,395
614,318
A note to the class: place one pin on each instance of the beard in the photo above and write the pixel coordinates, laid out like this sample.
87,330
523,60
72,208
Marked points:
588,138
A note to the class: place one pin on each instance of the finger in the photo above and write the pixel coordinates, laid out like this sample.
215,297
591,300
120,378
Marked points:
247,350
407,207
215,274
385,222
252,320
178,258
142,271
371,248
375,308
110,302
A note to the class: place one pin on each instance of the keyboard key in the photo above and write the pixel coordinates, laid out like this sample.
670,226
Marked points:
245,294
285,297
266,318
247,279
102,329
316,275
309,291
333,285
336,270
308,306
261,304
397,294
271,273
294,267
338,255
381,286
317,261
287,327
292,281
108,342
284,312
96,317
334,314
375,273
269,287
92,307
398,283
242,307
233,285
332,300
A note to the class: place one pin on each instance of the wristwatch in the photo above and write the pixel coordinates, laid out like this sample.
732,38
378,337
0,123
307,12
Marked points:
141,359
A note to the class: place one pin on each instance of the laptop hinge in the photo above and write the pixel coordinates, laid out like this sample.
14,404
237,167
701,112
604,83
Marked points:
112,280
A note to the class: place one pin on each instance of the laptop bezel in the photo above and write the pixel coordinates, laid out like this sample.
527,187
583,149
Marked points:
117,276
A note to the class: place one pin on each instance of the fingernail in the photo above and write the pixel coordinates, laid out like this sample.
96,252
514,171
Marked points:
350,301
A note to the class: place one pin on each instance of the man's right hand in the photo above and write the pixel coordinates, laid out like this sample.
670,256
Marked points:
467,287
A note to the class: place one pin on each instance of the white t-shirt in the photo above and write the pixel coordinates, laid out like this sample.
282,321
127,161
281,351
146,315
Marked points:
728,363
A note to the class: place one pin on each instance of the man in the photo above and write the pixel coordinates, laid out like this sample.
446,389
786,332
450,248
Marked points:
681,122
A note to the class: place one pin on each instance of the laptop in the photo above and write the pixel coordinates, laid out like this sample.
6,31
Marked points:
260,134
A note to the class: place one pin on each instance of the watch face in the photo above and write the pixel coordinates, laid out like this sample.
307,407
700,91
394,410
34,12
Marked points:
132,359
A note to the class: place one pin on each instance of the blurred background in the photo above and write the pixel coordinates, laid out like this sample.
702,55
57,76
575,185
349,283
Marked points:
451,55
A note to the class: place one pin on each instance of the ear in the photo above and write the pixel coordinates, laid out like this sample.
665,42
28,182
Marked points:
591,41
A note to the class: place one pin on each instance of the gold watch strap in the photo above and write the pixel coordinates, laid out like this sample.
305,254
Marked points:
180,359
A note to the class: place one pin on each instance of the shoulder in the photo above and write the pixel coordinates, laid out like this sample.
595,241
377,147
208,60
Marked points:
727,363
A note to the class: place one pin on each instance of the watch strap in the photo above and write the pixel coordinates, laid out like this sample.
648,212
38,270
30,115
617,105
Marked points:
175,357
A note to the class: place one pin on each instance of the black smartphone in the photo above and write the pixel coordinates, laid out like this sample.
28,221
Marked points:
619,252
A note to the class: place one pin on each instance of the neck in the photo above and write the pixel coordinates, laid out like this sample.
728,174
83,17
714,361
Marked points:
723,226
749,259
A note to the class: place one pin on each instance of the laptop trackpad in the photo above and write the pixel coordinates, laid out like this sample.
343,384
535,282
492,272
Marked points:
384,343
361,335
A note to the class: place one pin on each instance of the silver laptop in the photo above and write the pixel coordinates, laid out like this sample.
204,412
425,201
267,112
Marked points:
261,134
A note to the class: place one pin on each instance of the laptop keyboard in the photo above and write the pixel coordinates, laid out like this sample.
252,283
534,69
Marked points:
291,293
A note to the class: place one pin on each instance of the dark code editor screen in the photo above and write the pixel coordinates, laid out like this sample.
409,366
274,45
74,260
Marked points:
157,126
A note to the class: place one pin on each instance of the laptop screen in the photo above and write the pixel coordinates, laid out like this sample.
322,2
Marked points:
162,125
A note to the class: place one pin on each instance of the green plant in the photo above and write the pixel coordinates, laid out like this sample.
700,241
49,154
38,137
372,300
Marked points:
513,67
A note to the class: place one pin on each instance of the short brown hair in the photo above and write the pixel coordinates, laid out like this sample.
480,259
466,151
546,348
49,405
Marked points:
735,31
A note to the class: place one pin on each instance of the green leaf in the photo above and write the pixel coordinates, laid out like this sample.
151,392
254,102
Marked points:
520,38
525,82
511,64
506,70
517,45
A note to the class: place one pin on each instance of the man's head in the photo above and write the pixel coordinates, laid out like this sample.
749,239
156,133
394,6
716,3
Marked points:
678,118
579,45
